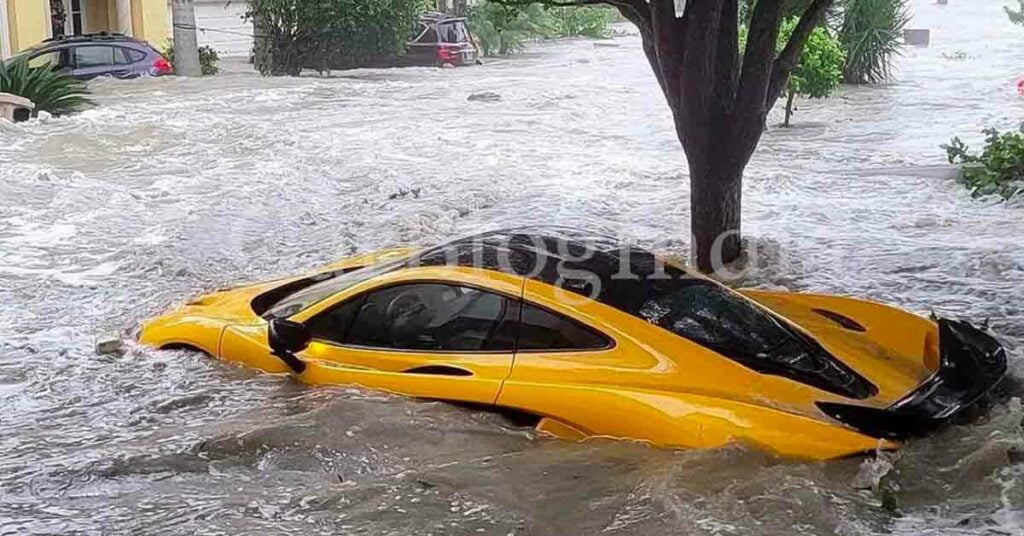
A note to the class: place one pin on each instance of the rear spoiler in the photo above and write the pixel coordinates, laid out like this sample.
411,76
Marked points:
971,363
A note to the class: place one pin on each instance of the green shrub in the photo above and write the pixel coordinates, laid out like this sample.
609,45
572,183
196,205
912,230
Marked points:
503,29
49,90
208,57
871,34
330,34
820,69
583,21
999,169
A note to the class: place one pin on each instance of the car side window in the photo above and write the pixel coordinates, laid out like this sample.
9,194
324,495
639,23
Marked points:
121,56
333,325
429,35
541,330
134,55
55,59
93,56
453,32
429,317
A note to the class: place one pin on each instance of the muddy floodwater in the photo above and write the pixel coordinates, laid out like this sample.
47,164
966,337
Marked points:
172,187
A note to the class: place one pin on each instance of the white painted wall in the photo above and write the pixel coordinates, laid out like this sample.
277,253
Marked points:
5,31
228,32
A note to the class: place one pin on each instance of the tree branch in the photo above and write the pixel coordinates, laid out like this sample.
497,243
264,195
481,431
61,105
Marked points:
727,60
790,55
758,60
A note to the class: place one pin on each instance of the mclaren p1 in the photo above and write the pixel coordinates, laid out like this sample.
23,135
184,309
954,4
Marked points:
592,337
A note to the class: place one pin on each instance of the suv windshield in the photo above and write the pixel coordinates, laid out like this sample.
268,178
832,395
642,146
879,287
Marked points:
316,289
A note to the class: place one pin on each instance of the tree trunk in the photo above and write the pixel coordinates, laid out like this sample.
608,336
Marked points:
719,96
789,107
716,192
263,53
186,46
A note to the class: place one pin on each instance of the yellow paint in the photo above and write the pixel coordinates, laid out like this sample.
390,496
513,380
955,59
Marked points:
651,385
149,21
29,21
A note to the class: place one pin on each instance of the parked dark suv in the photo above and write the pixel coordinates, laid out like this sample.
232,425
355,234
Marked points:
439,39
88,56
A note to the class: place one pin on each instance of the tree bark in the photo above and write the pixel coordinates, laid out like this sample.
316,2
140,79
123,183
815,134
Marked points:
789,107
716,195
186,45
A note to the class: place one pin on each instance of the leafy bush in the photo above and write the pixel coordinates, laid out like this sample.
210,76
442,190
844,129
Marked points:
999,169
871,34
583,21
49,90
820,69
208,57
503,29
330,34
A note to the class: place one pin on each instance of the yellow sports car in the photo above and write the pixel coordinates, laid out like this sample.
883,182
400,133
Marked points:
591,337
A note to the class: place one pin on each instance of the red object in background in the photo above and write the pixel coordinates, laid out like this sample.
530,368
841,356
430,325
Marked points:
1020,87
445,54
162,66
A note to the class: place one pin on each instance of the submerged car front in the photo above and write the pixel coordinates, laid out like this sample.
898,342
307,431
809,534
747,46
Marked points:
204,323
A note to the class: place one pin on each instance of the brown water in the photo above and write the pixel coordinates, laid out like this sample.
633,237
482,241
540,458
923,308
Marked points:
171,187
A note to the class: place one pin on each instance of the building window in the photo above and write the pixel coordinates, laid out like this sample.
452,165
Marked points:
76,17
67,17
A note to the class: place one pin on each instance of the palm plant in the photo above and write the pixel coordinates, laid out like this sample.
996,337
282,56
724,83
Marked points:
871,34
51,91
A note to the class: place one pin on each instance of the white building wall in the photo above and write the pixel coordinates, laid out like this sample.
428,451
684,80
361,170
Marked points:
5,31
222,26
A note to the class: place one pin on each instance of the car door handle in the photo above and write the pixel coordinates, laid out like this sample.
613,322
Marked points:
439,370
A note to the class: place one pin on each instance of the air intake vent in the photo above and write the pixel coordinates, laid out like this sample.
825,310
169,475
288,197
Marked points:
842,320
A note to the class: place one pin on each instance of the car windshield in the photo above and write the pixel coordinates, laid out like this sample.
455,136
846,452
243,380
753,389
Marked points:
324,286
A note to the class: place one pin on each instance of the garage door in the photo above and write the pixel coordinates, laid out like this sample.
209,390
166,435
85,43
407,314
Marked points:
223,27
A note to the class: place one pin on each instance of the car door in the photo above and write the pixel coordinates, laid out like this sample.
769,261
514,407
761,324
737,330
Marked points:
579,368
92,60
432,339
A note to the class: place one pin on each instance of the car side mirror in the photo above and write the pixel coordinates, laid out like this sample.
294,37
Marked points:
288,338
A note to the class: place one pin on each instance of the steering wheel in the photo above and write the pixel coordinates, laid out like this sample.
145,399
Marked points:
402,304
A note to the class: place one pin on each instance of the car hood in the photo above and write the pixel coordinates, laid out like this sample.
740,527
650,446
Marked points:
895,350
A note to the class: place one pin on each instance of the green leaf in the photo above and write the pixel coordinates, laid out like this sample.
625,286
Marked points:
51,91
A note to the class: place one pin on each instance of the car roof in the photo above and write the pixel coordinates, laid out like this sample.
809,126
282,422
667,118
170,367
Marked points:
438,18
607,269
102,37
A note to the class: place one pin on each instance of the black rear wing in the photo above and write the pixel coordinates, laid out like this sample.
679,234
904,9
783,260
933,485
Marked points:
971,363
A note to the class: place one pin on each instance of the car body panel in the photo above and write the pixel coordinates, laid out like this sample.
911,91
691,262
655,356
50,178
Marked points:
648,384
